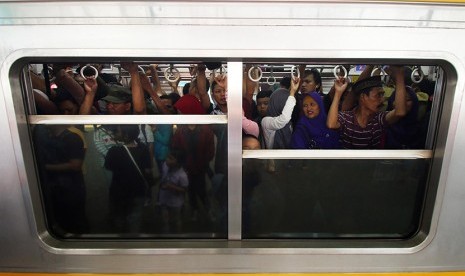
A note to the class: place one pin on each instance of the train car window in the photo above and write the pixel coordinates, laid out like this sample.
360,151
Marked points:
326,185
133,177
334,150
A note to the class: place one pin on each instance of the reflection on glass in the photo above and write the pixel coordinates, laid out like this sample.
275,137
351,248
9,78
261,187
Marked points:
333,198
131,181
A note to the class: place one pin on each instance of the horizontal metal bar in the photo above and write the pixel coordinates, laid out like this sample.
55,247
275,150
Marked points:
338,154
126,119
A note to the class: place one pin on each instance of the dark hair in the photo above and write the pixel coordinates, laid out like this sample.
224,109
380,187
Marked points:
264,94
185,89
316,77
63,95
179,155
285,82
174,97
129,132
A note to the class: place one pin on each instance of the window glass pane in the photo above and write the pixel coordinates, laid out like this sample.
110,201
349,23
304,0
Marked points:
292,104
131,181
332,198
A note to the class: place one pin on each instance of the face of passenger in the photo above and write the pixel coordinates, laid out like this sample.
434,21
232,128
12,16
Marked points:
118,108
219,94
169,105
68,108
374,100
309,84
250,143
171,161
262,106
310,107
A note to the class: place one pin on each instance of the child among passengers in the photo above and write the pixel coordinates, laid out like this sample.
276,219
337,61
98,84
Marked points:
311,131
173,186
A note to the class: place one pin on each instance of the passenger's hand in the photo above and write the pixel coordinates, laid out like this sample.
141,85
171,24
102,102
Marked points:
90,85
222,81
193,70
201,67
340,85
294,86
396,71
131,67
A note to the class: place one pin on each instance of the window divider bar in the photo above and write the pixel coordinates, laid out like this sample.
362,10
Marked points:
235,150
126,119
338,154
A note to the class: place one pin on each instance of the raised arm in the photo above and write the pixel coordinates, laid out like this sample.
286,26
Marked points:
278,122
202,86
250,86
340,85
90,87
145,83
65,80
400,101
155,79
138,101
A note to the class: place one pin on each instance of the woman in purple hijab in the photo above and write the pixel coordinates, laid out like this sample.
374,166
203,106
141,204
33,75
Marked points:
311,131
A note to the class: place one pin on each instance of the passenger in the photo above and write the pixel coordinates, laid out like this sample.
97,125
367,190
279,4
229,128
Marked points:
130,164
311,131
311,82
277,128
276,125
263,100
406,133
61,151
119,101
197,142
363,127
173,186
160,105
197,100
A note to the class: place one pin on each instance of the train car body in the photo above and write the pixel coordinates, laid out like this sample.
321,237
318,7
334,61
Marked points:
324,33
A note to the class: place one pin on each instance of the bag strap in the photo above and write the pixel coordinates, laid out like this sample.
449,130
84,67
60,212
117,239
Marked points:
137,167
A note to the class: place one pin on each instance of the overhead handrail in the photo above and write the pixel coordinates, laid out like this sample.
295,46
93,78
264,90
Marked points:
91,76
271,80
296,75
337,69
417,74
172,74
382,73
260,73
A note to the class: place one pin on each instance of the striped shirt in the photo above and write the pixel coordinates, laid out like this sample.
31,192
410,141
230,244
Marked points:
353,136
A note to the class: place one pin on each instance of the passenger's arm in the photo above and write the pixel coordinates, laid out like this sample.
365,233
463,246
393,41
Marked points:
155,79
65,80
366,72
250,86
249,126
400,101
138,101
90,87
145,83
46,106
202,86
280,121
340,86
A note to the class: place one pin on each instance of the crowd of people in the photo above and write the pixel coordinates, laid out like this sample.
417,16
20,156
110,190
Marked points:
295,115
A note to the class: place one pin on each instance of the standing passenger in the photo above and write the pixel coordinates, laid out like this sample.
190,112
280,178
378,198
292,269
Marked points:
311,131
363,127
